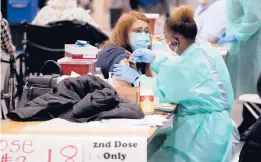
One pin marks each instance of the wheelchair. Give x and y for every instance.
(42, 45)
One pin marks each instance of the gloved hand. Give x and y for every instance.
(143, 55)
(226, 39)
(125, 73)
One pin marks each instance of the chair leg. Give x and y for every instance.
(2, 112)
(256, 107)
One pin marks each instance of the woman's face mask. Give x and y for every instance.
(139, 40)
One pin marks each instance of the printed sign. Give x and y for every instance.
(115, 149)
(26, 148)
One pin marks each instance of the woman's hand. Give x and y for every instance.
(143, 55)
(125, 73)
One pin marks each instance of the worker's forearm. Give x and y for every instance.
(159, 59)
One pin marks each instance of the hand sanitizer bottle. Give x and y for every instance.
(146, 98)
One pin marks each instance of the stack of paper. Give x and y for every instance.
(112, 125)
(150, 121)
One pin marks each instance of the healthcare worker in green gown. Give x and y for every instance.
(196, 78)
(244, 34)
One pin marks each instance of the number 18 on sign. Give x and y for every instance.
(65, 151)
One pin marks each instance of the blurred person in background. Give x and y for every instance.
(151, 6)
(161, 7)
(211, 20)
(117, 8)
(244, 57)
(60, 10)
(244, 34)
(6, 39)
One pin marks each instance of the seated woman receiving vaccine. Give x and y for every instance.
(130, 33)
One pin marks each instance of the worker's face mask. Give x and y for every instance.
(139, 40)
(173, 44)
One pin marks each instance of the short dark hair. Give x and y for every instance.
(182, 21)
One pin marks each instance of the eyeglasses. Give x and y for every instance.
(141, 30)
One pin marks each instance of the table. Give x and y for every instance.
(13, 127)
(16, 128)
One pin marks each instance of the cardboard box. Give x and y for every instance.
(130, 93)
(81, 53)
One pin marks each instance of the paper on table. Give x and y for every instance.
(148, 118)
(166, 105)
(97, 126)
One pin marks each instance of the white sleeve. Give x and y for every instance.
(218, 13)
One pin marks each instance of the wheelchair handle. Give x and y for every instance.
(49, 62)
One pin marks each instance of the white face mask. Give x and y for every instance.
(173, 53)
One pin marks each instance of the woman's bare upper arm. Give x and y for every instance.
(118, 83)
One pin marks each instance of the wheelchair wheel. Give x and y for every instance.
(13, 85)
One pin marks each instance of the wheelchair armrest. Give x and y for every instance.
(24, 23)
(253, 98)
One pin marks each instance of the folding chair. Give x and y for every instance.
(253, 100)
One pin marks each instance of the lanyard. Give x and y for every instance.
(207, 6)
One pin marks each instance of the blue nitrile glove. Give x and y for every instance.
(143, 55)
(226, 39)
(125, 73)
(223, 34)
(80, 43)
